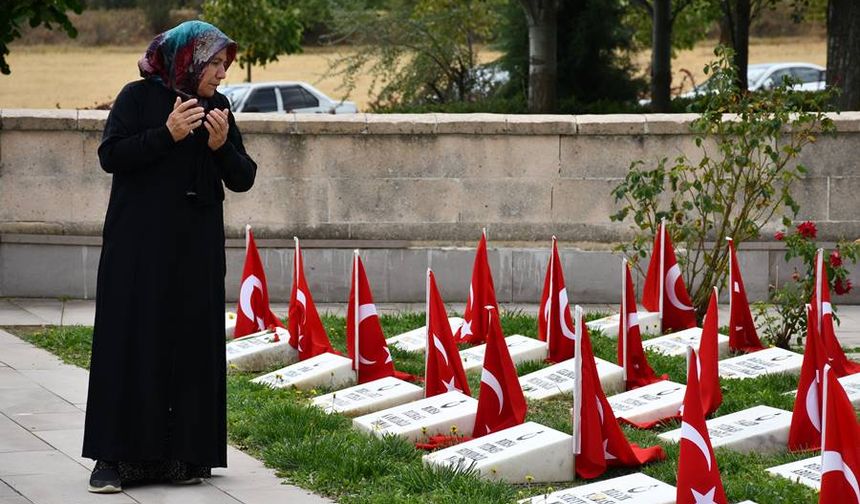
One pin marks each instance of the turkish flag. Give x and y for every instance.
(639, 372)
(307, 334)
(554, 322)
(253, 314)
(708, 355)
(372, 358)
(501, 403)
(698, 474)
(602, 443)
(482, 293)
(823, 312)
(676, 309)
(840, 439)
(805, 431)
(444, 371)
(742, 332)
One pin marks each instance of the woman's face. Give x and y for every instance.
(213, 74)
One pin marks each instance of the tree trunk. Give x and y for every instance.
(843, 51)
(248, 72)
(661, 55)
(543, 67)
(742, 42)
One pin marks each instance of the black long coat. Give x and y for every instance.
(157, 378)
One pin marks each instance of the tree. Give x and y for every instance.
(157, 13)
(543, 39)
(35, 13)
(843, 51)
(264, 29)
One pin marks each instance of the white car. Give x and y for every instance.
(806, 77)
(287, 96)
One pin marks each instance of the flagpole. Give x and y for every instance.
(622, 323)
(577, 386)
(298, 256)
(819, 306)
(731, 282)
(426, 331)
(824, 411)
(355, 313)
(662, 267)
(551, 295)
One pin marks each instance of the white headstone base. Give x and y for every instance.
(764, 362)
(556, 380)
(676, 344)
(522, 349)
(416, 339)
(806, 472)
(762, 429)
(369, 397)
(529, 452)
(445, 414)
(649, 323)
(649, 403)
(259, 351)
(636, 488)
(322, 371)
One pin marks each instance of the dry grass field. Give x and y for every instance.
(82, 77)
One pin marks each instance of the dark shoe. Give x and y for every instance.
(105, 479)
(189, 481)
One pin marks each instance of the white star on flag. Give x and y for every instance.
(450, 386)
(706, 498)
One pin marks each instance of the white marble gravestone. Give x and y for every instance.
(649, 323)
(806, 472)
(526, 452)
(522, 349)
(676, 344)
(761, 429)
(636, 488)
(768, 361)
(649, 403)
(416, 339)
(369, 397)
(418, 420)
(322, 371)
(259, 351)
(555, 380)
(229, 323)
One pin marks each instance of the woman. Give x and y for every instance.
(156, 408)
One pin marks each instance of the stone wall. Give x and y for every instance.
(406, 188)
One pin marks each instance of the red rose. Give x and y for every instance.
(795, 276)
(842, 287)
(835, 259)
(779, 235)
(807, 229)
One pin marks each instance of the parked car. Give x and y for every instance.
(287, 96)
(805, 76)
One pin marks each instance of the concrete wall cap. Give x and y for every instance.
(346, 124)
(270, 122)
(541, 124)
(613, 124)
(92, 120)
(39, 119)
(401, 124)
(669, 124)
(476, 124)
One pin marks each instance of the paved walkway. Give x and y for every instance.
(42, 403)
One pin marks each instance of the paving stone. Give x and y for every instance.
(50, 421)
(36, 462)
(64, 488)
(173, 494)
(67, 441)
(13, 438)
(30, 400)
(68, 382)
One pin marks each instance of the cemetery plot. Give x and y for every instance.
(806, 472)
(369, 397)
(260, 351)
(676, 344)
(446, 414)
(529, 450)
(649, 403)
(522, 349)
(761, 429)
(649, 323)
(325, 370)
(416, 339)
(636, 488)
(764, 362)
(555, 380)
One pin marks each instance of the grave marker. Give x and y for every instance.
(636, 488)
(260, 351)
(555, 380)
(418, 420)
(525, 452)
(649, 323)
(369, 397)
(806, 472)
(649, 403)
(416, 339)
(764, 362)
(522, 349)
(676, 344)
(762, 429)
(325, 370)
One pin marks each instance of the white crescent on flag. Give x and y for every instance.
(813, 410)
(491, 381)
(362, 360)
(245, 293)
(832, 461)
(632, 319)
(826, 308)
(365, 311)
(690, 433)
(438, 344)
(563, 301)
(300, 297)
(672, 277)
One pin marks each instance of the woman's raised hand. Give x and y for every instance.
(217, 124)
(184, 118)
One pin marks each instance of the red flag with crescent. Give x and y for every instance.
(253, 313)
(840, 445)
(664, 278)
(371, 358)
(444, 367)
(555, 324)
(742, 333)
(307, 333)
(482, 293)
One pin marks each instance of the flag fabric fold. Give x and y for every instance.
(840, 445)
(482, 293)
(823, 312)
(555, 325)
(709, 356)
(307, 333)
(805, 431)
(444, 368)
(742, 332)
(638, 372)
(664, 281)
(253, 313)
(372, 358)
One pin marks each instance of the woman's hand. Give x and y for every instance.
(184, 118)
(217, 125)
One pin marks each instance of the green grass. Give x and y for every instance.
(323, 453)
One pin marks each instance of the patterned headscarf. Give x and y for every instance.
(177, 57)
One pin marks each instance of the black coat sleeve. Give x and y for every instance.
(126, 144)
(237, 168)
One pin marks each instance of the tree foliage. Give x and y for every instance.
(47, 13)
(264, 29)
